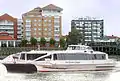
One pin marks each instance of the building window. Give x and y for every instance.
(50, 16)
(56, 16)
(57, 29)
(57, 19)
(39, 28)
(27, 20)
(45, 29)
(39, 24)
(34, 28)
(86, 24)
(28, 23)
(49, 25)
(49, 29)
(49, 33)
(45, 33)
(35, 20)
(45, 24)
(35, 33)
(56, 24)
(45, 16)
(49, 20)
(28, 33)
(39, 20)
(35, 24)
(45, 20)
(39, 33)
(56, 32)
(57, 38)
(26, 26)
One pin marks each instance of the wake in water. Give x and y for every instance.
(3, 70)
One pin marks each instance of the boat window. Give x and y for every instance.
(89, 48)
(16, 56)
(82, 48)
(70, 56)
(100, 56)
(74, 47)
(34, 56)
(76, 56)
(22, 56)
(44, 58)
(78, 47)
(55, 57)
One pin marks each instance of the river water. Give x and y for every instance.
(64, 76)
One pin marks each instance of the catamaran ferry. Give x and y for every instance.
(75, 58)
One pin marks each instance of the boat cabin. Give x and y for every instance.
(72, 56)
(79, 47)
(29, 55)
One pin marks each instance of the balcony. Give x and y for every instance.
(5, 28)
(6, 24)
(19, 36)
(19, 32)
(56, 34)
(28, 30)
(11, 32)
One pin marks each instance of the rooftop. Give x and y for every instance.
(5, 36)
(52, 7)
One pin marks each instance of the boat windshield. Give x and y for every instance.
(16, 56)
(31, 56)
(89, 48)
(45, 58)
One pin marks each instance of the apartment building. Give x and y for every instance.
(90, 28)
(43, 22)
(10, 30)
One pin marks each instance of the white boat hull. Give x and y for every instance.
(81, 67)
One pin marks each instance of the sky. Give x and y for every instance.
(108, 10)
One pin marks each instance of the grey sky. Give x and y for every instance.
(109, 10)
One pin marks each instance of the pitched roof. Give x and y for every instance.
(7, 17)
(52, 7)
(5, 36)
(112, 37)
(35, 11)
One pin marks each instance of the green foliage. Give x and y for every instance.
(62, 42)
(33, 41)
(52, 41)
(74, 37)
(24, 42)
(42, 41)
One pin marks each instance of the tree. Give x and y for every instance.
(62, 42)
(74, 37)
(24, 42)
(42, 41)
(33, 41)
(52, 41)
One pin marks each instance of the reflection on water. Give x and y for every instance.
(64, 76)
(3, 70)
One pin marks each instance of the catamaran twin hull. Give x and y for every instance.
(75, 67)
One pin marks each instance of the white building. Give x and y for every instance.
(90, 28)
